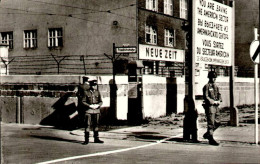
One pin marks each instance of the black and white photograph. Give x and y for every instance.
(129, 81)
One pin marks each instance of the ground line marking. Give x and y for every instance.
(109, 152)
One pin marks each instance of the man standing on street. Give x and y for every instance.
(212, 99)
(89, 103)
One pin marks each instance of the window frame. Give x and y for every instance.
(8, 39)
(55, 37)
(167, 37)
(30, 39)
(152, 5)
(184, 9)
(168, 7)
(152, 32)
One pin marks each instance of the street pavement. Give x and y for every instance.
(23, 143)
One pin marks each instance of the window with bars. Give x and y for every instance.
(7, 38)
(30, 39)
(184, 9)
(152, 5)
(169, 37)
(150, 35)
(168, 7)
(55, 37)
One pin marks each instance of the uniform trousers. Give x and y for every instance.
(213, 118)
(91, 120)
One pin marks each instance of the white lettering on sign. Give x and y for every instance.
(150, 52)
(125, 50)
(212, 34)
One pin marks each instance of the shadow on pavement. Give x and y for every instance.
(56, 139)
(237, 142)
(181, 140)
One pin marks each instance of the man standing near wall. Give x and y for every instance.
(89, 103)
(212, 99)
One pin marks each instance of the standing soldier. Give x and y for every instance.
(212, 99)
(89, 107)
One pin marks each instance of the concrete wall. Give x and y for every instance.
(243, 92)
(33, 99)
(30, 99)
(154, 96)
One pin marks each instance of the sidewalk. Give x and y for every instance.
(25, 142)
(244, 134)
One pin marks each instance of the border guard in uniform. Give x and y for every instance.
(89, 107)
(212, 99)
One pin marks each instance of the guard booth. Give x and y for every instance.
(135, 110)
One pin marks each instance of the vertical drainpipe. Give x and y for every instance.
(18, 109)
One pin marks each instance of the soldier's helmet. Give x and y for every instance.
(212, 74)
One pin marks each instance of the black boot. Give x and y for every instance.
(212, 141)
(96, 138)
(86, 138)
(206, 135)
(194, 136)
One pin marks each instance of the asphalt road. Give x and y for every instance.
(37, 144)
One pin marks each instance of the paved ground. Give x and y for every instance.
(156, 142)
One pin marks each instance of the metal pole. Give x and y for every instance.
(190, 120)
(234, 119)
(113, 63)
(256, 94)
(256, 104)
(114, 89)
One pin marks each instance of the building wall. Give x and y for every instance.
(246, 18)
(161, 21)
(89, 29)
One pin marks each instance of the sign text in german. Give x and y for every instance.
(151, 52)
(122, 50)
(212, 32)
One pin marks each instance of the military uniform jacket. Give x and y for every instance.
(211, 94)
(87, 97)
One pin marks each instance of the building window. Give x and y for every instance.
(152, 5)
(55, 37)
(30, 39)
(169, 38)
(168, 7)
(184, 9)
(150, 34)
(7, 38)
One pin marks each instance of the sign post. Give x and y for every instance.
(125, 50)
(254, 54)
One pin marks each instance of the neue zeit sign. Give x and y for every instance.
(212, 32)
(150, 52)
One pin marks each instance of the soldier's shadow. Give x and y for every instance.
(60, 117)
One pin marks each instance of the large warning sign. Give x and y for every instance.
(212, 32)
